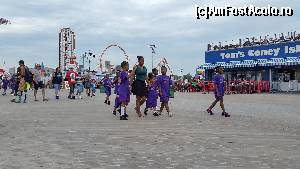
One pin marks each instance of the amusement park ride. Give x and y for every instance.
(67, 57)
(164, 62)
(101, 64)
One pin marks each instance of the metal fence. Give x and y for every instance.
(291, 86)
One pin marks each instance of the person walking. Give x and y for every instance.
(71, 77)
(57, 81)
(38, 82)
(139, 85)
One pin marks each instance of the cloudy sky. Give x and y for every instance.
(169, 24)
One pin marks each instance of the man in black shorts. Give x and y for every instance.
(38, 82)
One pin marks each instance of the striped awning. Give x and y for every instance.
(207, 66)
(262, 62)
(253, 63)
(246, 63)
(277, 61)
(292, 60)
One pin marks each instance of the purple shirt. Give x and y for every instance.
(164, 82)
(5, 83)
(107, 83)
(219, 81)
(124, 86)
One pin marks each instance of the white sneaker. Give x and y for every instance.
(170, 114)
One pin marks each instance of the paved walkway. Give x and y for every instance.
(263, 132)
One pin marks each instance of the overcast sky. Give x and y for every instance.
(169, 24)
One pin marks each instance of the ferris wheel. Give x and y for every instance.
(101, 63)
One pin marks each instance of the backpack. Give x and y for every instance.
(28, 75)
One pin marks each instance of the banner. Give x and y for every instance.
(281, 50)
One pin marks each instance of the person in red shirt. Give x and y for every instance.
(71, 77)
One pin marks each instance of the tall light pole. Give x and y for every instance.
(89, 56)
(153, 52)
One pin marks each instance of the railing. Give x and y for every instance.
(231, 87)
(291, 86)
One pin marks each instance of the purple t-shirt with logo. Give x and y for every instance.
(164, 83)
(219, 81)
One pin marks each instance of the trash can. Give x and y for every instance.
(172, 92)
(102, 89)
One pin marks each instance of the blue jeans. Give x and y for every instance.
(56, 87)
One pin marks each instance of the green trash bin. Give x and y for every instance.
(102, 89)
(172, 93)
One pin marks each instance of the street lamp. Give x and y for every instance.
(88, 56)
(153, 52)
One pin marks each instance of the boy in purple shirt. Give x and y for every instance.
(124, 89)
(164, 83)
(219, 91)
(107, 85)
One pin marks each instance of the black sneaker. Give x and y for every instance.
(123, 118)
(210, 112)
(105, 101)
(223, 113)
(108, 102)
(145, 111)
(155, 114)
(57, 97)
(119, 110)
(126, 115)
(114, 113)
(226, 115)
(73, 98)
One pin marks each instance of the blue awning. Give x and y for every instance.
(253, 63)
(246, 63)
(262, 62)
(277, 61)
(292, 60)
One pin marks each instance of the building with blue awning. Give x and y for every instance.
(269, 62)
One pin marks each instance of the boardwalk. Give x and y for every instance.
(263, 132)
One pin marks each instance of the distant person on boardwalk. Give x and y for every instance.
(57, 79)
(71, 77)
(38, 82)
(107, 85)
(219, 89)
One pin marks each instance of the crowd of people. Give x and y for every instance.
(280, 38)
(147, 87)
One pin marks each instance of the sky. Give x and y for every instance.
(133, 24)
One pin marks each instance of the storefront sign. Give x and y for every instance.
(282, 50)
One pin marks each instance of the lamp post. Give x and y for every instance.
(88, 56)
(153, 52)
